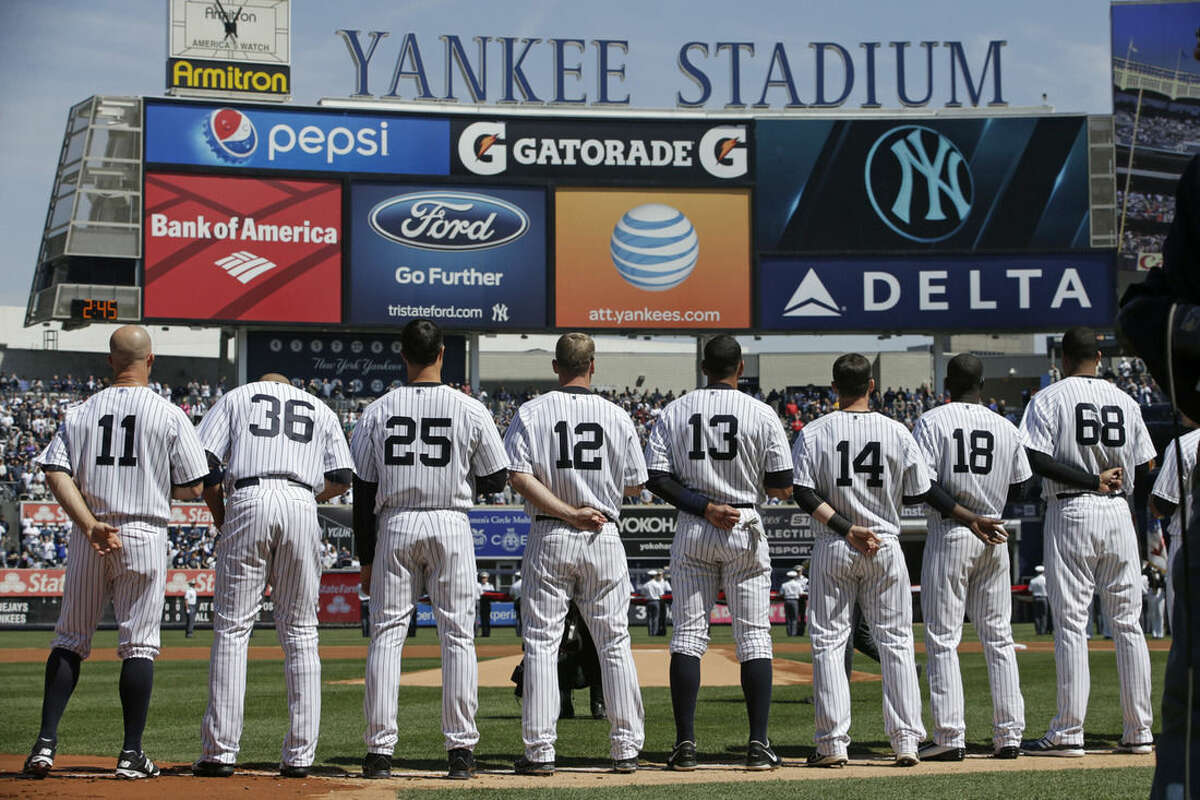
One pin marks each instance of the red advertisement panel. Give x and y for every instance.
(52, 514)
(246, 249)
(720, 614)
(339, 598)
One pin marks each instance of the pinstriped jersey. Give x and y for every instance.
(126, 446)
(1166, 485)
(1090, 424)
(864, 464)
(422, 443)
(271, 428)
(975, 454)
(583, 448)
(719, 442)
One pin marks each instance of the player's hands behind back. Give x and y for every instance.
(103, 537)
(722, 516)
(1112, 481)
(988, 530)
(587, 518)
(863, 540)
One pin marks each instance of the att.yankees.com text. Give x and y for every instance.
(646, 314)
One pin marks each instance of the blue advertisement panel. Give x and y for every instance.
(499, 532)
(464, 256)
(295, 139)
(988, 184)
(936, 293)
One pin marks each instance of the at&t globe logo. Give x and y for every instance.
(654, 247)
(919, 183)
(231, 135)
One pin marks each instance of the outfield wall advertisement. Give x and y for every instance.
(652, 258)
(220, 248)
(465, 256)
(321, 140)
(896, 293)
(991, 184)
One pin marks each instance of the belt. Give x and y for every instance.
(1069, 495)
(242, 483)
(743, 505)
(548, 518)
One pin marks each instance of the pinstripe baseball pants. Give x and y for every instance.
(270, 536)
(959, 573)
(706, 559)
(564, 564)
(1091, 546)
(433, 548)
(134, 577)
(839, 576)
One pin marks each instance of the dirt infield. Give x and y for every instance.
(33, 655)
(720, 668)
(91, 777)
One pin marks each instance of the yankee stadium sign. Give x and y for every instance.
(582, 71)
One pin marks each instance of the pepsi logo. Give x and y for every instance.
(654, 247)
(449, 221)
(231, 134)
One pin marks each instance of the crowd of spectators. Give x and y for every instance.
(1148, 206)
(1133, 242)
(31, 410)
(1158, 129)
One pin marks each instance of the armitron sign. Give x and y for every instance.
(226, 76)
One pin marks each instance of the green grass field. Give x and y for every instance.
(92, 723)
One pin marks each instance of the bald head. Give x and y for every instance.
(129, 346)
(275, 377)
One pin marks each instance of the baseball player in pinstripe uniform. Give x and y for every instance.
(572, 456)
(1164, 502)
(277, 443)
(979, 458)
(417, 451)
(711, 455)
(114, 465)
(853, 469)
(1086, 438)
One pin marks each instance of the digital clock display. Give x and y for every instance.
(94, 310)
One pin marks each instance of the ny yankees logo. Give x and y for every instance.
(943, 207)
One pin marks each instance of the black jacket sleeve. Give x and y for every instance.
(339, 476)
(778, 480)
(1042, 464)
(364, 520)
(664, 485)
(808, 499)
(491, 484)
(937, 497)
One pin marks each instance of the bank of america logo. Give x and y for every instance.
(245, 266)
(811, 299)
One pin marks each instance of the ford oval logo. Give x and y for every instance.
(449, 221)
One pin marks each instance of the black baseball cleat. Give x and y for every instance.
(932, 751)
(1009, 751)
(625, 765)
(523, 766)
(819, 759)
(462, 764)
(683, 757)
(293, 771)
(41, 758)
(377, 765)
(1137, 749)
(760, 756)
(598, 710)
(135, 766)
(1044, 747)
(212, 769)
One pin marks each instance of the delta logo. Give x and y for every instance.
(231, 135)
